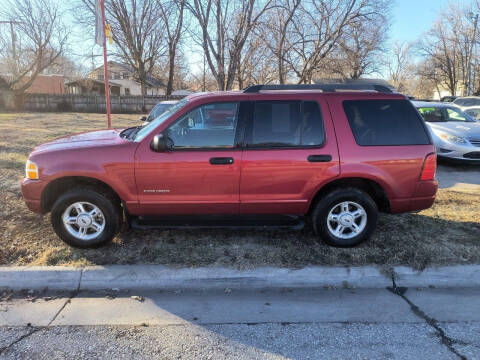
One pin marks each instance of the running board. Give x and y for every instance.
(246, 222)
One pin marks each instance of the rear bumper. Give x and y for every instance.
(423, 198)
(32, 194)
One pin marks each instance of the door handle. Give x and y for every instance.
(320, 158)
(221, 161)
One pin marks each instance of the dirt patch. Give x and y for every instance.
(445, 234)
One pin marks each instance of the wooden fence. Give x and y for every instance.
(90, 103)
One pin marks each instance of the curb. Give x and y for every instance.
(160, 277)
(40, 277)
(149, 277)
(440, 277)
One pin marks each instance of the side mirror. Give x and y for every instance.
(161, 143)
(143, 118)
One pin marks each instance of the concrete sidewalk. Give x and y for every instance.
(150, 312)
(134, 277)
(242, 324)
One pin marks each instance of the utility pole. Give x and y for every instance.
(470, 88)
(14, 39)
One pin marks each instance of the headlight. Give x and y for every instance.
(31, 170)
(449, 137)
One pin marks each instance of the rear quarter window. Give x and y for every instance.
(385, 122)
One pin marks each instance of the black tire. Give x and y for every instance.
(329, 201)
(109, 206)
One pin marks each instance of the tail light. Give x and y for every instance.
(429, 167)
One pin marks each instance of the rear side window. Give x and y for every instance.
(385, 122)
(286, 124)
(431, 114)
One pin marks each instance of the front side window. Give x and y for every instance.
(147, 129)
(385, 122)
(431, 114)
(286, 124)
(207, 126)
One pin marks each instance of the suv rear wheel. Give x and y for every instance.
(85, 218)
(345, 217)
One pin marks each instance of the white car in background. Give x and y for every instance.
(467, 101)
(455, 134)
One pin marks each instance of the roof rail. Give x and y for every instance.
(324, 87)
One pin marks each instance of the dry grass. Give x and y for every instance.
(448, 233)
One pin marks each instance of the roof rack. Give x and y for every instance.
(324, 87)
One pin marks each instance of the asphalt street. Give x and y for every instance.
(243, 324)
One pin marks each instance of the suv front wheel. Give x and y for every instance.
(345, 217)
(85, 218)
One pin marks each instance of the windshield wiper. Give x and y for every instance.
(129, 132)
(131, 136)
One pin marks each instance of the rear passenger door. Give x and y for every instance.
(289, 152)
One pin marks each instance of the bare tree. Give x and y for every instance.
(448, 48)
(256, 66)
(276, 32)
(138, 34)
(172, 15)
(362, 44)
(181, 70)
(39, 38)
(225, 26)
(319, 26)
(65, 66)
(399, 65)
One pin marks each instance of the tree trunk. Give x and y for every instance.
(281, 78)
(171, 72)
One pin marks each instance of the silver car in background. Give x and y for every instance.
(466, 101)
(456, 135)
(473, 111)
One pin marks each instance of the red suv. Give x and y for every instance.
(272, 155)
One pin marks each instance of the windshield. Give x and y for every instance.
(457, 115)
(467, 101)
(145, 130)
(158, 110)
(475, 113)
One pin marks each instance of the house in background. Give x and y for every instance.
(47, 84)
(121, 82)
(43, 84)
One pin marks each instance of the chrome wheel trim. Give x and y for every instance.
(83, 220)
(346, 220)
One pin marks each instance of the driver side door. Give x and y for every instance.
(201, 174)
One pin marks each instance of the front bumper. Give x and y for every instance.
(32, 194)
(467, 153)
